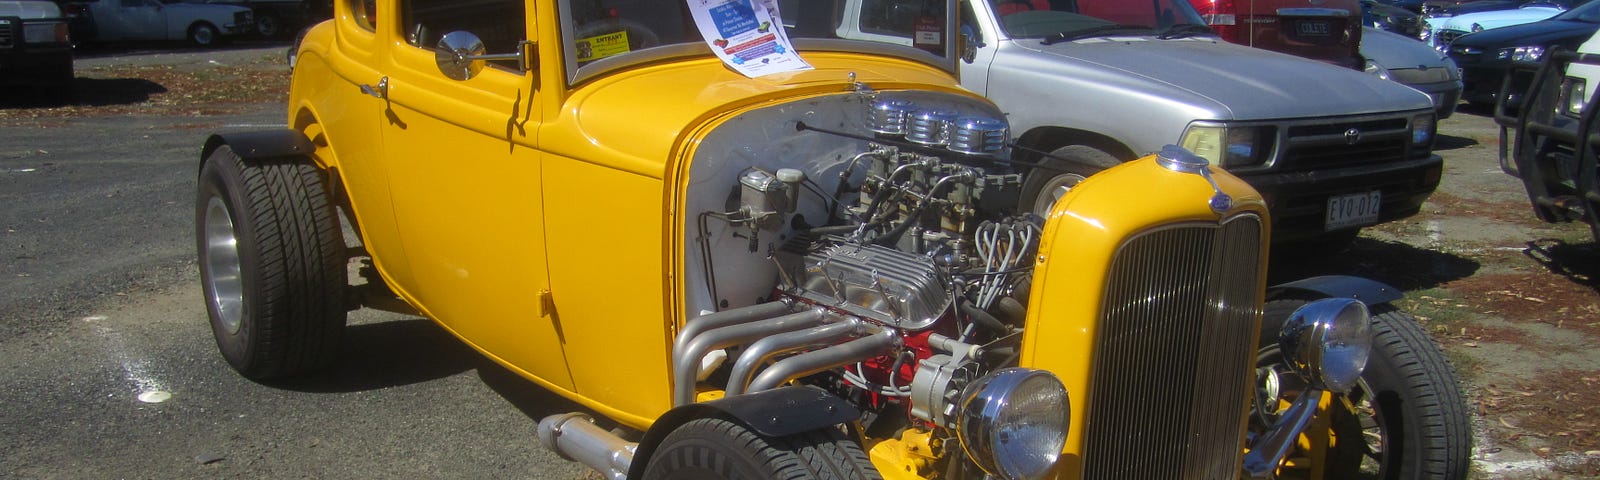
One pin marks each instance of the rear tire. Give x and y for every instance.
(272, 264)
(713, 448)
(1410, 420)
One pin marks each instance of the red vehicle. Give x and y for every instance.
(1325, 30)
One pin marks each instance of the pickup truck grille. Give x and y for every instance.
(1344, 143)
(1174, 356)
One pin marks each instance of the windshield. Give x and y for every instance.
(1074, 19)
(604, 35)
(1589, 12)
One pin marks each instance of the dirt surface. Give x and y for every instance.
(1514, 302)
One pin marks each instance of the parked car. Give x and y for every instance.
(35, 48)
(1125, 82)
(1545, 152)
(772, 246)
(120, 20)
(1441, 32)
(279, 18)
(1405, 60)
(1485, 57)
(1328, 30)
(1390, 18)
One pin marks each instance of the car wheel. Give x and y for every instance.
(1071, 164)
(712, 448)
(272, 264)
(268, 25)
(1409, 419)
(204, 34)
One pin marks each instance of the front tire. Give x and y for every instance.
(272, 264)
(204, 34)
(1070, 164)
(1410, 420)
(713, 448)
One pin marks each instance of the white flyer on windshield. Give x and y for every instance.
(747, 35)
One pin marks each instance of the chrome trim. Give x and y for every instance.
(1178, 324)
(1271, 447)
(224, 270)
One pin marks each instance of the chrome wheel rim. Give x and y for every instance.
(1053, 190)
(224, 281)
(203, 36)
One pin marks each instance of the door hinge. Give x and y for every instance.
(547, 303)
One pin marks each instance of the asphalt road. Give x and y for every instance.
(100, 312)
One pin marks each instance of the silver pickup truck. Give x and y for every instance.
(1088, 84)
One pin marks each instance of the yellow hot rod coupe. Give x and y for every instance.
(770, 246)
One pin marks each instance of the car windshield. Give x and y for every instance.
(1065, 20)
(1589, 12)
(604, 35)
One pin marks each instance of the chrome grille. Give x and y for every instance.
(1175, 353)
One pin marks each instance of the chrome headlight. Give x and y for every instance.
(1422, 129)
(1014, 421)
(1327, 342)
(1521, 54)
(1228, 146)
(1574, 95)
(1376, 69)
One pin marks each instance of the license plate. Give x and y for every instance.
(1313, 28)
(1353, 210)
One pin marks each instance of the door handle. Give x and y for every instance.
(379, 91)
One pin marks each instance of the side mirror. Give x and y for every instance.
(460, 55)
(969, 46)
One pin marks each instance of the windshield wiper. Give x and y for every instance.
(1096, 31)
(1184, 30)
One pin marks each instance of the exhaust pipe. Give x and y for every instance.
(880, 343)
(766, 348)
(575, 437)
(684, 361)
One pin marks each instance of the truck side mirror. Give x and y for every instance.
(460, 55)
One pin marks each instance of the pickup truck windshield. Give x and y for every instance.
(603, 35)
(1066, 20)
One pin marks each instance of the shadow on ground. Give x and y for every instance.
(1579, 263)
(389, 354)
(85, 92)
(1397, 264)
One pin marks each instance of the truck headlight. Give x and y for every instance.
(44, 33)
(1574, 94)
(1521, 54)
(1228, 146)
(1013, 422)
(1327, 342)
(1422, 129)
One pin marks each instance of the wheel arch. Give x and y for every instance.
(1048, 138)
(1369, 291)
(773, 413)
(256, 145)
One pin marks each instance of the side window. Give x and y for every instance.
(365, 13)
(500, 24)
(895, 18)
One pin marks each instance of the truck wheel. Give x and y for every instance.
(272, 264)
(268, 25)
(1071, 165)
(1410, 420)
(203, 34)
(712, 448)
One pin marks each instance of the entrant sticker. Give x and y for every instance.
(747, 35)
(602, 46)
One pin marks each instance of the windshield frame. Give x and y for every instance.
(697, 48)
(1188, 15)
